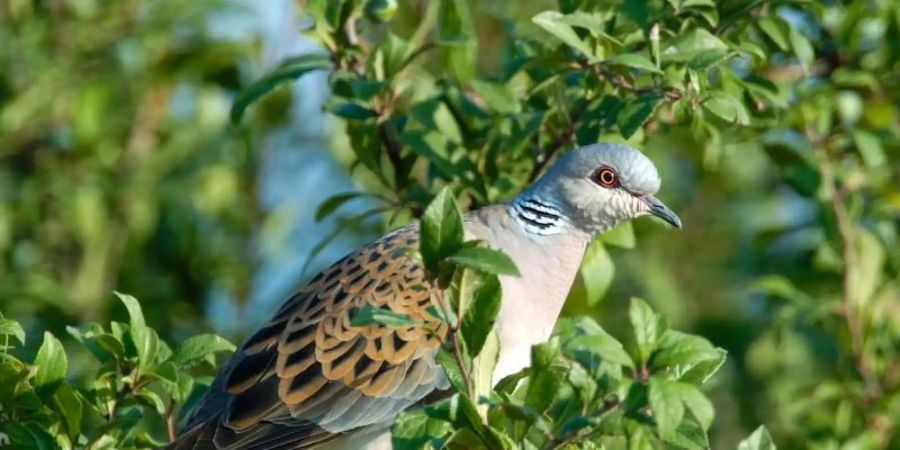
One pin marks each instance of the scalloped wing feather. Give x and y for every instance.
(309, 375)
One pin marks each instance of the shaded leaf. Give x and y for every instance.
(498, 96)
(636, 112)
(289, 70)
(333, 203)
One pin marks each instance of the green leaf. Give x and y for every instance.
(51, 365)
(685, 350)
(479, 317)
(620, 236)
(485, 260)
(9, 327)
(666, 404)
(348, 110)
(727, 107)
(802, 48)
(498, 96)
(544, 381)
(146, 343)
(451, 369)
(644, 326)
(441, 229)
(550, 21)
(692, 44)
(289, 70)
(414, 429)
(636, 112)
(688, 436)
(455, 24)
(758, 440)
(870, 149)
(597, 271)
(69, 405)
(483, 364)
(333, 203)
(369, 315)
(697, 404)
(704, 370)
(633, 60)
(199, 348)
(603, 345)
(772, 27)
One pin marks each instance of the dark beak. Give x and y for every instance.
(658, 209)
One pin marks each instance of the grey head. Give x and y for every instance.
(592, 189)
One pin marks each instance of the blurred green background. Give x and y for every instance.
(119, 170)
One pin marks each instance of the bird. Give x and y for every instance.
(308, 379)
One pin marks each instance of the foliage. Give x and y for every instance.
(582, 390)
(115, 169)
(774, 123)
(785, 78)
(138, 389)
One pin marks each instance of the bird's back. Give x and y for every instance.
(308, 376)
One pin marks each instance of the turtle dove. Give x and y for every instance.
(308, 379)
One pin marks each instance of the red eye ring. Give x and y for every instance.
(606, 177)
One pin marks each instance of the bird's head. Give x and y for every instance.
(594, 188)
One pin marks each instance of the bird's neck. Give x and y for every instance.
(537, 216)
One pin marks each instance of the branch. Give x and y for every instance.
(453, 331)
(391, 145)
(620, 82)
(544, 155)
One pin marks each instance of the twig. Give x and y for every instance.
(170, 425)
(620, 82)
(546, 154)
(453, 331)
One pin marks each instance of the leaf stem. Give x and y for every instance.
(834, 195)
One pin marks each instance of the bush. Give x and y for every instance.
(775, 124)
(139, 386)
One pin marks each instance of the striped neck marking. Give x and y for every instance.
(537, 216)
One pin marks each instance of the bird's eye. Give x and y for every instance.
(606, 177)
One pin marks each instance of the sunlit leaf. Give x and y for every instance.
(51, 363)
(484, 260)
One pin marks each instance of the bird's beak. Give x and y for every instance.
(658, 209)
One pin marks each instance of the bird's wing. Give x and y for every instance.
(309, 375)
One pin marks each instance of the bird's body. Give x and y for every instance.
(308, 379)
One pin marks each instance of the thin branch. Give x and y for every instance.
(620, 82)
(565, 138)
(453, 336)
(170, 425)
